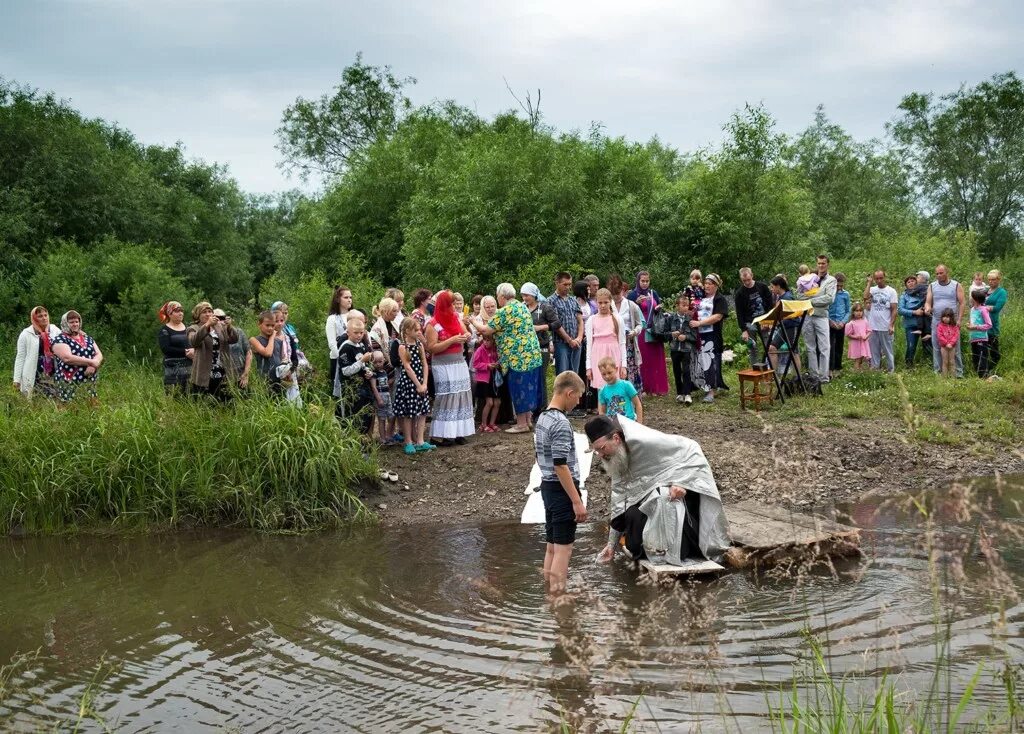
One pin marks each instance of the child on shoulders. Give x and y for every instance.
(807, 281)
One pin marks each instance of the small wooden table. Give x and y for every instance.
(762, 385)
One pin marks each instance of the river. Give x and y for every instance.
(447, 629)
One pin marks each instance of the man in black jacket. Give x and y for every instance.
(753, 298)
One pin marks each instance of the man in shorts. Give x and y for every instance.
(555, 446)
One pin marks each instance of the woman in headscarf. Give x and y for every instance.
(446, 337)
(653, 371)
(212, 366)
(77, 359)
(173, 340)
(34, 363)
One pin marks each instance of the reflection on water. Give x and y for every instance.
(426, 629)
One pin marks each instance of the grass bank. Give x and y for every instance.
(141, 459)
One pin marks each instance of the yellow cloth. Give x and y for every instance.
(784, 310)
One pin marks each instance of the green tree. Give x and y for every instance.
(322, 136)
(965, 153)
(855, 189)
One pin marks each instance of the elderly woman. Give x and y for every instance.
(995, 301)
(446, 337)
(173, 340)
(545, 323)
(212, 366)
(518, 353)
(34, 363)
(712, 310)
(77, 358)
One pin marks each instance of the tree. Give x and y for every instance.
(966, 156)
(322, 136)
(856, 190)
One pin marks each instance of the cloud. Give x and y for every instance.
(217, 74)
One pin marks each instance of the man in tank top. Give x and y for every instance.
(944, 293)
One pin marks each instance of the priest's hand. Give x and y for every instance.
(606, 554)
(675, 492)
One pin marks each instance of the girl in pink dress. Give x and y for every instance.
(606, 337)
(857, 332)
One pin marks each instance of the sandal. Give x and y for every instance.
(383, 475)
(392, 476)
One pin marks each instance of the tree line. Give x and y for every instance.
(437, 195)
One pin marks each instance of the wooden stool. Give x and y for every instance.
(762, 387)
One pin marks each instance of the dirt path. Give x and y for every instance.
(798, 464)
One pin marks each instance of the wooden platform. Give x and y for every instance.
(768, 534)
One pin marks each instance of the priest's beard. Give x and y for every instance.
(617, 465)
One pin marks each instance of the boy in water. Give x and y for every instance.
(555, 446)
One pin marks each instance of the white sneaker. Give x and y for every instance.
(688, 400)
(679, 398)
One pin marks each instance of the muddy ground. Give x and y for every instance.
(797, 465)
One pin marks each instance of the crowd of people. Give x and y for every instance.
(472, 367)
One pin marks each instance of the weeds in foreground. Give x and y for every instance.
(143, 459)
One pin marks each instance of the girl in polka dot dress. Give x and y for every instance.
(77, 359)
(411, 402)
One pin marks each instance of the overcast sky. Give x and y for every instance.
(216, 74)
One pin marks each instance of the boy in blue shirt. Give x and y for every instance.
(617, 397)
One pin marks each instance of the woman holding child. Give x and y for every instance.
(453, 391)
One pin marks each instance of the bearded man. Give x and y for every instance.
(664, 499)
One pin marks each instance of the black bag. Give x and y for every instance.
(661, 326)
(792, 386)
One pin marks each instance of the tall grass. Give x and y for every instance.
(142, 459)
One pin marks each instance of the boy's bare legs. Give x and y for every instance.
(556, 567)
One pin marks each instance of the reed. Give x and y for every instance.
(141, 459)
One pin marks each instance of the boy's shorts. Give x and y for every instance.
(559, 518)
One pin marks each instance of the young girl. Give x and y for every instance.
(858, 333)
(605, 338)
(981, 322)
(380, 386)
(948, 332)
(269, 351)
(485, 361)
(807, 281)
(411, 403)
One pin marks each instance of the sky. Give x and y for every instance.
(216, 75)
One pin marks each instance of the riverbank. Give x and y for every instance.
(871, 432)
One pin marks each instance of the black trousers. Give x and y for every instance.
(681, 372)
(993, 353)
(980, 358)
(631, 524)
(836, 339)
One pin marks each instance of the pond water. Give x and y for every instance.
(447, 629)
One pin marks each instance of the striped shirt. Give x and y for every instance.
(555, 445)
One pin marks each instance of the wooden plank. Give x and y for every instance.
(763, 527)
(691, 566)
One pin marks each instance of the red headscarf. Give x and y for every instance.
(445, 315)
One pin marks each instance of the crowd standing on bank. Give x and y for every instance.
(473, 368)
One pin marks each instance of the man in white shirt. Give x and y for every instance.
(880, 302)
